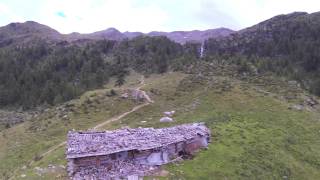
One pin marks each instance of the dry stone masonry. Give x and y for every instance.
(126, 152)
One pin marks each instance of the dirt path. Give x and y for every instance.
(109, 120)
(141, 83)
(120, 116)
(113, 119)
(96, 128)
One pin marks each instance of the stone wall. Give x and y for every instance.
(195, 145)
(145, 158)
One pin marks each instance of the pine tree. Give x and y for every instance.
(120, 80)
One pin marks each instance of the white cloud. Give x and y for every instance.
(87, 16)
(8, 16)
(250, 12)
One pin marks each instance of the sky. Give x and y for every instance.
(86, 16)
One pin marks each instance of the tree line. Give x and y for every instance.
(288, 45)
(45, 73)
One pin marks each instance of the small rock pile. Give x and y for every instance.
(167, 117)
(9, 118)
(119, 169)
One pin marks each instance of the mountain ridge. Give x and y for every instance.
(32, 28)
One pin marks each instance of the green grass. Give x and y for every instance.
(254, 135)
(259, 140)
(25, 142)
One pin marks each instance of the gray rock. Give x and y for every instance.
(166, 119)
(297, 107)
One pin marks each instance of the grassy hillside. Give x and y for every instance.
(286, 44)
(255, 135)
(24, 143)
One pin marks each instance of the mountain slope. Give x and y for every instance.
(274, 31)
(286, 44)
(196, 36)
(19, 33)
(131, 35)
(27, 28)
(109, 34)
(254, 134)
(177, 36)
(30, 29)
(40, 72)
(263, 126)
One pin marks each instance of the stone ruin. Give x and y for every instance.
(131, 152)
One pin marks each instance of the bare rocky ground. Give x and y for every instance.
(123, 168)
(9, 118)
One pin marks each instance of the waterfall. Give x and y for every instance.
(201, 50)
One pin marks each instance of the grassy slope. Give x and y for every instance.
(25, 142)
(254, 135)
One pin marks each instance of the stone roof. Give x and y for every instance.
(83, 144)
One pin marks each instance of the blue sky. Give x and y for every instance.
(87, 16)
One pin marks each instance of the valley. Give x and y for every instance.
(257, 89)
(247, 125)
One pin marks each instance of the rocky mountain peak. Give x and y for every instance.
(28, 27)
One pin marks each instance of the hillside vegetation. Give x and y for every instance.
(255, 133)
(41, 69)
(42, 73)
(257, 90)
(25, 143)
(286, 44)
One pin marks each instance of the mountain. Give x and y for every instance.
(24, 32)
(50, 73)
(286, 44)
(27, 28)
(59, 68)
(110, 34)
(30, 29)
(249, 89)
(279, 29)
(196, 36)
(131, 35)
(43, 59)
(177, 36)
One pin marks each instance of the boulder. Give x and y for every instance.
(169, 113)
(140, 95)
(311, 102)
(166, 119)
(125, 96)
(297, 107)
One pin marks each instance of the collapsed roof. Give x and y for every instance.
(84, 144)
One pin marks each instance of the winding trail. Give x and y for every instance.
(97, 127)
(113, 119)
(120, 116)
